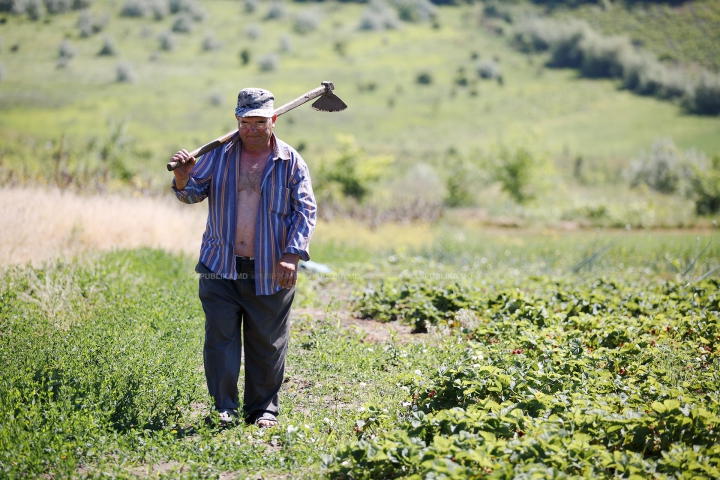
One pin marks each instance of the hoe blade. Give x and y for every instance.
(329, 102)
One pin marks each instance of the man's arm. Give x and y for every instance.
(302, 202)
(191, 181)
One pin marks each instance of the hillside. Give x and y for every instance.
(416, 93)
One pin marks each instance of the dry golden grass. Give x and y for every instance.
(42, 224)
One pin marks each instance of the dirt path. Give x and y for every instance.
(373, 331)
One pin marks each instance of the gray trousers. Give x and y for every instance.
(230, 305)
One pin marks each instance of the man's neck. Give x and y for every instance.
(258, 150)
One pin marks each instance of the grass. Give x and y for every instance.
(169, 106)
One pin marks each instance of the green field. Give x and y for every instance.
(551, 355)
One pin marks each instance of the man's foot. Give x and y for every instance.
(224, 418)
(266, 420)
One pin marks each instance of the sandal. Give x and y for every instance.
(266, 420)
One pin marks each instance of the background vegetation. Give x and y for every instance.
(96, 96)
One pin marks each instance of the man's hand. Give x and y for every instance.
(287, 270)
(182, 173)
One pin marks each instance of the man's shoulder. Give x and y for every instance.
(287, 152)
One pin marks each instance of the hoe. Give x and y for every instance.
(328, 102)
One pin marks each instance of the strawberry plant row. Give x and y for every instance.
(604, 378)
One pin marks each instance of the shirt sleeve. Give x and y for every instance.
(198, 185)
(303, 204)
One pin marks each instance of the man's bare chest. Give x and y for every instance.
(250, 174)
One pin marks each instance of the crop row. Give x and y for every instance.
(558, 380)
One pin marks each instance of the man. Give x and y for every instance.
(260, 220)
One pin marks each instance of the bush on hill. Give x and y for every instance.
(89, 24)
(414, 10)
(307, 21)
(379, 16)
(183, 23)
(574, 44)
(158, 9)
(276, 10)
(108, 48)
(188, 6)
(665, 169)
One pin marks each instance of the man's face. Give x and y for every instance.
(255, 131)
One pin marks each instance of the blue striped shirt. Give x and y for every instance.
(286, 214)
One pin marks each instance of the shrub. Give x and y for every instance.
(665, 168)
(706, 189)
(210, 43)
(424, 78)
(488, 69)
(379, 16)
(108, 48)
(269, 62)
(124, 73)
(276, 10)
(603, 57)
(34, 9)
(349, 172)
(565, 44)
(167, 41)
(188, 6)
(183, 23)
(58, 6)
(251, 6)
(245, 56)
(253, 31)
(414, 10)
(66, 50)
(496, 9)
(158, 9)
(285, 44)
(642, 74)
(533, 35)
(134, 8)
(704, 98)
(90, 25)
(307, 21)
(521, 173)
(216, 99)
